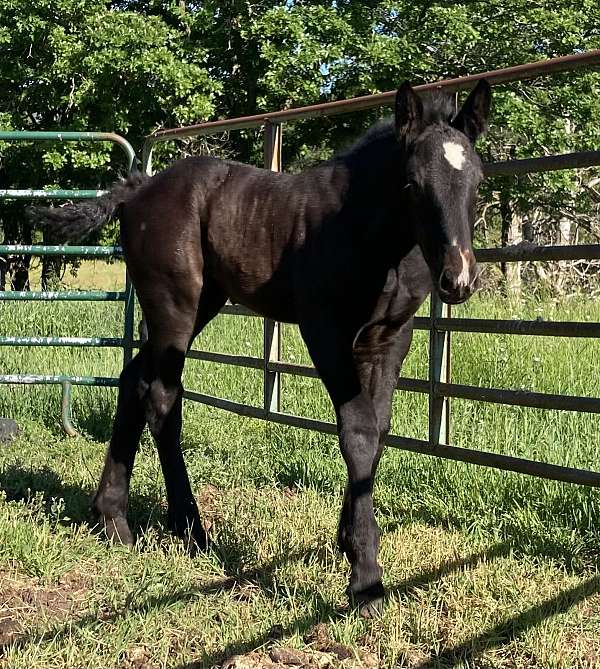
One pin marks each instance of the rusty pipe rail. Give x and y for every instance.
(500, 76)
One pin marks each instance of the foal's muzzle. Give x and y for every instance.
(459, 277)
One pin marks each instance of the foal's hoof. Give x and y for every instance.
(190, 531)
(368, 601)
(117, 531)
(372, 609)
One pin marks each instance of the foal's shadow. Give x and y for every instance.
(96, 421)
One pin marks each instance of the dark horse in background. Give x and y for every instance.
(348, 250)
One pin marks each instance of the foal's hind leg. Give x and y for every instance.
(110, 501)
(170, 336)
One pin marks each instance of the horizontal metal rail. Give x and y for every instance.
(63, 295)
(64, 250)
(71, 136)
(227, 359)
(527, 251)
(541, 328)
(293, 369)
(108, 342)
(56, 194)
(493, 395)
(472, 456)
(48, 379)
(513, 327)
(565, 161)
(501, 76)
(524, 398)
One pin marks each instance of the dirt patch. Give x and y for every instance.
(137, 657)
(321, 653)
(210, 504)
(24, 599)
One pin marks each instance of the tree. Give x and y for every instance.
(137, 65)
(81, 65)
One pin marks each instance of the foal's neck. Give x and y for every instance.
(376, 197)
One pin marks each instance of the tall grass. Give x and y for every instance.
(557, 365)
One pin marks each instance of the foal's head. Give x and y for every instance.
(441, 174)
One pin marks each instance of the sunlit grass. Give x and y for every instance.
(485, 568)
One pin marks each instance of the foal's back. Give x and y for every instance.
(233, 226)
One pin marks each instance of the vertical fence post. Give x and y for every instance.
(271, 334)
(129, 311)
(439, 371)
(147, 158)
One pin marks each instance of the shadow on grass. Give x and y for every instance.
(524, 509)
(508, 630)
(96, 424)
(29, 484)
(94, 413)
(265, 577)
(511, 628)
(22, 484)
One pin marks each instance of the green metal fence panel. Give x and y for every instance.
(127, 296)
(83, 251)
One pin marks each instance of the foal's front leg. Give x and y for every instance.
(358, 534)
(331, 351)
(379, 358)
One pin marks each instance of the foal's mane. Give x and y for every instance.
(438, 107)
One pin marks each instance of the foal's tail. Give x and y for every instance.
(75, 222)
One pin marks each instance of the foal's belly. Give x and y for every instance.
(270, 297)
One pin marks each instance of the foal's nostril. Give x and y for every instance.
(447, 281)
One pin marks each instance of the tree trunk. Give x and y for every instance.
(51, 266)
(563, 237)
(19, 265)
(512, 224)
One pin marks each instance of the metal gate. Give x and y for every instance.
(440, 324)
(126, 296)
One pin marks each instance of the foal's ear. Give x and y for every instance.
(409, 112)
(472, 119)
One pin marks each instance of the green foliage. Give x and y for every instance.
(133, 66)
(74, 65)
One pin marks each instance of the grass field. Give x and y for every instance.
(484, 568)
